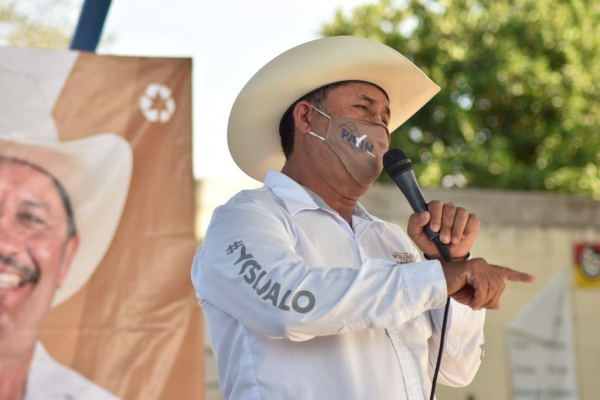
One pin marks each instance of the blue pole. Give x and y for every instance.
(90, 24)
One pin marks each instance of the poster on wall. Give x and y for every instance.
(587, 264)
(540, 341)
(96, 227)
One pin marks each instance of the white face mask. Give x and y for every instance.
(359, 144)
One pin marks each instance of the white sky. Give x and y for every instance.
(228, 41)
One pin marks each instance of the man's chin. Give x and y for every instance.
(19, 319)
(13, 300)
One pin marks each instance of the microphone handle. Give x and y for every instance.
(407, 183)
(442, 248)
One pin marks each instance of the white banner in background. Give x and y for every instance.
(540, 339)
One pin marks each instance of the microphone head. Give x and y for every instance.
(395, 162)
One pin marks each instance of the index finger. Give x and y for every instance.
(512, 275)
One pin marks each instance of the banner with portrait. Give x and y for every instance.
(97, 226)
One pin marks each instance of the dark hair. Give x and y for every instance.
(316, 98)
(64, 196)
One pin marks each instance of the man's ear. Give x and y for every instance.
(69, 255)
(302, 115)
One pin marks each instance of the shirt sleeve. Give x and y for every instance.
(249, 269)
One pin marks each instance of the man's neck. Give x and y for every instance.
(341, 199)
(13, 376)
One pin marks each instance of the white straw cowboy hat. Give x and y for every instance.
(95, 171)
(253, 129)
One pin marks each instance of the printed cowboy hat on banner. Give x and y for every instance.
(95, 171)
(253, 128)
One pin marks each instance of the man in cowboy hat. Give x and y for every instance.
(59, 208)
(300, 285)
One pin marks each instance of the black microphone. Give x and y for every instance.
(398, 166)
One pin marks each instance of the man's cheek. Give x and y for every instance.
(46, 255)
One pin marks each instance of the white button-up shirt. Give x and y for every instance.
(300, 305)
(49, 380)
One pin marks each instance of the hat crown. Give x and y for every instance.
(25, 110)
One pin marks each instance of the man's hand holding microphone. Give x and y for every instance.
(445, 232)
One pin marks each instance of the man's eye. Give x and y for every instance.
(30, 218)
(361, 107)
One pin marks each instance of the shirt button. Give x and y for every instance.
(413, 391)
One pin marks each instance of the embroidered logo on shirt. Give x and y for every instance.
(302, 301)
(404, 258)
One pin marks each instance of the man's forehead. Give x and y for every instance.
(22, 167)
(27, 175)
(365, 91)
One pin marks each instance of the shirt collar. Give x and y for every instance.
(297, 197)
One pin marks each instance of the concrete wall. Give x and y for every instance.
(530, 232)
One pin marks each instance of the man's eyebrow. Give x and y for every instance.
(36, 204)
(371, 100)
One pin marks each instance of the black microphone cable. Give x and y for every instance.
(399, 168)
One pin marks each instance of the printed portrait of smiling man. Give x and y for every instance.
(59, 209)
(38, 240)
(60, 206)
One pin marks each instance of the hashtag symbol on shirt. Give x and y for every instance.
(234, 246)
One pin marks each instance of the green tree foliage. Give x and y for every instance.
(41, 24)
(519, 106)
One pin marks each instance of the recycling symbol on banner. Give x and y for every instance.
(157, 103)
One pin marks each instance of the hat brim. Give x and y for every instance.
(96, 173)
(253, 128)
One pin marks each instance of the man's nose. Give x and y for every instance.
(10, 237)
(378, 119)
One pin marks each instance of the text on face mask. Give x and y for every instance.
(358, 142)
